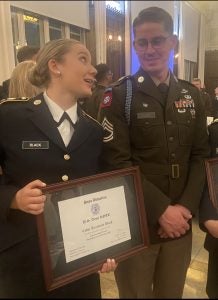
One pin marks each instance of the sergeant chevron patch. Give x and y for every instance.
(109, 128)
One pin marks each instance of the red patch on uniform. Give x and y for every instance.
(107, 100)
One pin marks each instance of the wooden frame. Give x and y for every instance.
(212, 179)
(57, 271)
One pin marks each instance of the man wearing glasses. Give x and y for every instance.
(155, 121)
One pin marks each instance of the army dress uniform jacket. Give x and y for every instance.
(31, 148)
(168, 142)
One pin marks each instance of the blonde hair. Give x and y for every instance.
(56, 49)
(20, 85)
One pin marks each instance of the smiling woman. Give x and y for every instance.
(46, 152)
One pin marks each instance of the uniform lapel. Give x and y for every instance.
(40, 115)
(144, 83)
(174, 91)
(81, 133)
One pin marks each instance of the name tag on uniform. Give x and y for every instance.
(35, 145)
(146, 115)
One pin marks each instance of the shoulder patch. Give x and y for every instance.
(85, 114)
(12, 100)
(107, 100)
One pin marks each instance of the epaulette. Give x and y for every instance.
(187, 82)
(121, 80)
(85, 114)
(12, 100)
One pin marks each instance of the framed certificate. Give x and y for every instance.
(88, 220)
(212, 179)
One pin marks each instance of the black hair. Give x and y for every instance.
(156, 15)
(102, 70)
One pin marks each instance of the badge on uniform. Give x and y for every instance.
(186, 102)
(192, 111)
(35, 145)
(107, 98)
(109, 128)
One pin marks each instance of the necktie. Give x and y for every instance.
(163, 89)
(66, 129)
(63, 117)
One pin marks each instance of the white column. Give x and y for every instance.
(6, 50)
(100, 31)
(181, 62)
(46, 30)
(202, 48)
(128, 41)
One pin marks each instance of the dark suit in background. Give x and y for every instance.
(208, 212)
(5, 89)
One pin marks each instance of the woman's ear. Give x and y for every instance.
(53, 67)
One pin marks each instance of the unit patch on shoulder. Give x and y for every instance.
(109, 129)
(107, 98)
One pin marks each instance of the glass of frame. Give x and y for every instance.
(212, 179)
(87, 220)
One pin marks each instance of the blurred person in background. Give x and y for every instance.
(208, 221)
(20, 85)
(207, 101)
(23, 53)
(104, 78)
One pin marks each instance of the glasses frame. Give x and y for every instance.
(151, 42)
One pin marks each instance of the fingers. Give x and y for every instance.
(109, 266)
(30, 198)
(36, 184)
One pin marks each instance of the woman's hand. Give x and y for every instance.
(109, 266)
(30, 198)
(212, 227)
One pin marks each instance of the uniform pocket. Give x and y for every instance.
(186, 129)
(147, 133)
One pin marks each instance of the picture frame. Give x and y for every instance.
(87, 220)
(212, 179)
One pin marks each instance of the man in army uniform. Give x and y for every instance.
(155, 121)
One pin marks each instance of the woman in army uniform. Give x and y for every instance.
(63, 152)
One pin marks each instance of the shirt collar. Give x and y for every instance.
(157, 81)
(57, 111)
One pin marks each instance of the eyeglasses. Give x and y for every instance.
(156, 43)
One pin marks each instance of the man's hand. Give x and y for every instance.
(30, 198)
(174, 221)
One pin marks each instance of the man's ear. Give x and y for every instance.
(134, 44)
(175, 41)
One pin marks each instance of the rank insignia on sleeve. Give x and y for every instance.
(109, 130)
(107, 98)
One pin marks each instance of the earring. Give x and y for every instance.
(59, 72)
